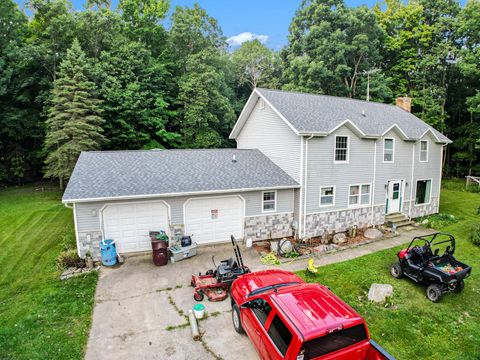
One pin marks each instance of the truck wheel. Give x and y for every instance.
(434, 293)
(459, 287)
(396, 270)
(237, 323)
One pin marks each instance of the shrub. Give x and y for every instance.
(475, 235)
(69, 258)
(437, 221)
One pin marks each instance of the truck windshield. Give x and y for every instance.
(334, 341)
(271, 287)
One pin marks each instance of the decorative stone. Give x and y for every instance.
(325, 248)
(373, 234)
(285, 246)
(379, 292)
(274, 246)
(339, 238)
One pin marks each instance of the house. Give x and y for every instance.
(304, 165)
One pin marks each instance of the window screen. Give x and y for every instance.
(326, 195)
(424, 151)
(334, 341)
(341, 148)
(269, 201)
(388, 150)
(280, 335)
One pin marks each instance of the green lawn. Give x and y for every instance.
(415, 328)
(41, 317)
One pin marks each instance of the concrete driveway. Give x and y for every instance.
(139, 313)
(139, 307)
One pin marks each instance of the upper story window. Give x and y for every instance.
(424, 151)
(359, 195)
(388, 150)
(261, 104)
(327, 195)
(269, 201)
(341, 149)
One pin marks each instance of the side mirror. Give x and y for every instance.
(436, 252)
(247, 305)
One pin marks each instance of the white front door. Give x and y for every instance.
(129, 224)
(214, 219)
(394, 196)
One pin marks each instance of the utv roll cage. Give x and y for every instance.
(433, 240)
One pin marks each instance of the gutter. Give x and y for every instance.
(306, 184)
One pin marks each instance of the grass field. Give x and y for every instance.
(415, 328)
(41, 317)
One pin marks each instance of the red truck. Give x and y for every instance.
(286, 318)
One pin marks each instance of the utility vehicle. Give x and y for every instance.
(421, 262)
(286, 318)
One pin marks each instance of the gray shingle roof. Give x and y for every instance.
(113, 174)
(309, 113)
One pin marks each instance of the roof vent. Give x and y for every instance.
(363, 113)
(234, 159)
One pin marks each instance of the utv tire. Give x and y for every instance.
(434, 293)
(459, 288)
(396, 270)
(237, 323)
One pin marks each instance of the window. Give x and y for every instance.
(341, 149)
(261, 104)
(327, 195)
(334, 341)
(261, 309)
(280, 335)
(359, 195)
(388, 150)
(422, 195)
(269, 202)
(424, 151)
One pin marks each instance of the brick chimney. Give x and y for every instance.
(405, 103)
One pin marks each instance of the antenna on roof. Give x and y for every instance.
(234, 159)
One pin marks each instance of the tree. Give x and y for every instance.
(253, 63)
(204, 100)
(74, 122)
(330, 46)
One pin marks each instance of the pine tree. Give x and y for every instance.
(74, 121)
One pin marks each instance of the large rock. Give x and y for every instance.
(339, 238)
(373, 234)
(379, 292)
(285, 246)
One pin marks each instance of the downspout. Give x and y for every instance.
(441, 173)
(300, 205)
(306, 185)
(374, 182)
(411, 183)
(68, 206)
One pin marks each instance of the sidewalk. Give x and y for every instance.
(342, 255)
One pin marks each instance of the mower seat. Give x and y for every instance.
(226, 266)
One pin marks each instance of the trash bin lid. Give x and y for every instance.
(199, 307)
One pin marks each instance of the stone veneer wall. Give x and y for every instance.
(336, 221)
(265, 227)
(90, 240)
(422, 210)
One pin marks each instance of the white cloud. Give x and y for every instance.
(239, 39)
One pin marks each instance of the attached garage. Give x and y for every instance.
(130, 223)
(214, 219)
(210, 194)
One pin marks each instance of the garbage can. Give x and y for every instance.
(108, 251)
(160, 252)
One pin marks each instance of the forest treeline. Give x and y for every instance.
(143, 76)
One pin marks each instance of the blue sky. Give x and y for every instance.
(244, 19)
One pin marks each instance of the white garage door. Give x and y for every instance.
(129, 224)
(214, 219)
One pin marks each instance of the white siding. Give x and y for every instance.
(266, 131)
(88, 214)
